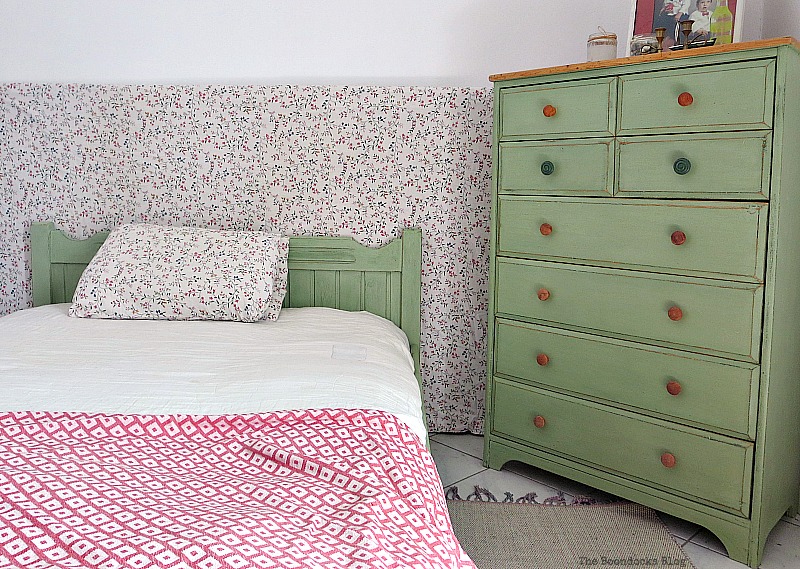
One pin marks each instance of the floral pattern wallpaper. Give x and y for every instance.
(306, 160)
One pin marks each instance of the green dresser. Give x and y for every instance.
(644, 313)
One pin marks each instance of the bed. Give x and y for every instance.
(141, 443)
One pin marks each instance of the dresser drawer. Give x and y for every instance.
(574, 108)
(709, 468)
(722, 239)
(715, 317)
(674, 385)
(566, 167)
(712, 165)
(736, 96)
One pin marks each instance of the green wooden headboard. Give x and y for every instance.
(335, 272)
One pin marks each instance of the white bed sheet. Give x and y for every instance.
(308, 358)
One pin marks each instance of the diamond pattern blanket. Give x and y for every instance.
(294, 489)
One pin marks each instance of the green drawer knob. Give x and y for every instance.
(682, 166)
(548, 168)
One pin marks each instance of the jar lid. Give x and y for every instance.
(602, 35)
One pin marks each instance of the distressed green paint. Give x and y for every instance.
(350, 290)
(582, 108)
(737, 168)
(777, 473)
(733, 530)
(723, 239)
(581, 167)
(710, 468)
(719, 317)
(609, 270)
(725, 97)
(632, 375)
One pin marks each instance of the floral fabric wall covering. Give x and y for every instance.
(360, 161)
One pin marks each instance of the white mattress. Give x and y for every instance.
(308, 358)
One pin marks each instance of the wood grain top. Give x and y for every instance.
(589, 65)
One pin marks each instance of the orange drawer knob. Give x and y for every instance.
(543, 294)
(549, 111)
(685, 99)
(542, 359)
(678, 238)
(674, 388)
(539, 421)
(545, 229)
(675, 313)
(668, 460)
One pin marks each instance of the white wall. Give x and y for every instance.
(392, 42)
(781, 18)
(389, 42)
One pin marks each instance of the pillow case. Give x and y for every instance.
(151, 272)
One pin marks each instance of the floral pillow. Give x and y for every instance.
(145, 271)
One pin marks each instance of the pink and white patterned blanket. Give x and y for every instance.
(299, 489)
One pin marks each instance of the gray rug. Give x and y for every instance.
(514, 535)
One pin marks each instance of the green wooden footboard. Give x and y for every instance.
(335, 272)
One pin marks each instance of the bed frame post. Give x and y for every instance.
(411, 287)
(410, 314)
(40, 262)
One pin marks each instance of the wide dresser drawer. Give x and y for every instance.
(688, 166)
(715, 239)
(736, 96)
(714, 317)
(563, 167)
(564, 109)
(670, 384)
(711, 469)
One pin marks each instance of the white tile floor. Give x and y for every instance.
(459, 461)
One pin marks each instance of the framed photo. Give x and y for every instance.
(712, 19)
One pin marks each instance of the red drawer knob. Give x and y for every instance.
(545, 229)
(542, 359)
(674, 313)
(674, 388)
(685, 99)
(543, 294)
(539, 421)
(678, 237)
(668, 460)
(549, 111)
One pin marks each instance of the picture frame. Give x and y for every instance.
(647, 15)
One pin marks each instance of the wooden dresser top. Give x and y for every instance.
(589, 65)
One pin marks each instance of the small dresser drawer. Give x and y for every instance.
(563, 109)
(715, 239)
(735, 96)
(709, 468)
(712, 165)
(673, 385)
(566, 167)
(714, 317)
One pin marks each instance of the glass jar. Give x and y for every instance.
(601, 45)
(644, 44)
